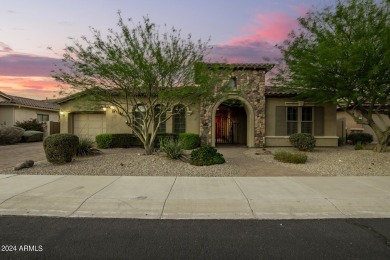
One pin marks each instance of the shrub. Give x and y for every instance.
(304, 142)
(85, 147)
(60, 148)
(287, 157)
(125, 140)
(206, 155)
(172, 147)
(104, 141)
(32, 124)
(11, 134)
(189, 141)
(358, 146)
(32, 136)
(364, 138)
(164, 136)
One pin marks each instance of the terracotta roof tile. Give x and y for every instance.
(28, 102)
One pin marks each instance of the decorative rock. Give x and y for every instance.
(25, 164)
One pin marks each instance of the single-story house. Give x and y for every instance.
(347, 125)
(14, 108)
(256, 116)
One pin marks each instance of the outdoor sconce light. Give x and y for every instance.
(62, 113)
(104, 109)
(113, 110)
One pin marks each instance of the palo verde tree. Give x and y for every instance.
(341, 54)
(140, 71)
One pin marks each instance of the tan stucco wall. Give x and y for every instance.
(330, 137)
(11, 114)
(7, 116)
(350, 123)
(22, 114)
(114, 122)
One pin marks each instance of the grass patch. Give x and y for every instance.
(287, 157)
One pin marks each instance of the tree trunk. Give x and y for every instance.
(383, 141)
(148, 145)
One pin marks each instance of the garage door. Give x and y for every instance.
(89, 125)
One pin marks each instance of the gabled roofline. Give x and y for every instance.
(244, 66)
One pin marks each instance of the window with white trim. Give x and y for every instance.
(179, 119)
(42, 117)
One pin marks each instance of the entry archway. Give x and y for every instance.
(233, 122)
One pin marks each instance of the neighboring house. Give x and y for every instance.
(347, 125)
(13, 109)
(255, 116)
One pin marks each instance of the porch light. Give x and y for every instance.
(62, 113)
(113, 109)
(104, 109)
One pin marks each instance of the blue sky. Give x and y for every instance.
(240, 31)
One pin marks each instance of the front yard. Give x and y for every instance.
(342, 161)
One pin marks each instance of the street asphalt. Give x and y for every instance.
(195, 197)
(87, 238)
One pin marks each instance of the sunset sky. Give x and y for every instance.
(240, 31)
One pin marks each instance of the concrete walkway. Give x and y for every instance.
(195, 197)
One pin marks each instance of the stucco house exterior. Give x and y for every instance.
(14, 108)
(250, 115)
(347, 125)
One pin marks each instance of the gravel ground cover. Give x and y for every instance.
(343, 161)
(131, 162)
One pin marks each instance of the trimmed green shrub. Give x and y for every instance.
(304, 142)
(10, 134)
(287, 157)
(206, 155)
(60, 148)
(123, 140)
(32, 124)
(104, 141)
(32, 136)
(85, 147)
(363, 138)
(189, 141)
(172, 147)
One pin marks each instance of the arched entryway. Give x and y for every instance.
(233, 122)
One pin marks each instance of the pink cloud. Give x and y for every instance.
(258, 43)
(29, 87)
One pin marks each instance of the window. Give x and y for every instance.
(307, 120)
(179, 119)
(139, 113)
(233, 83)
(299, 119)
(42, 117)
(163, 125)
(292, 120)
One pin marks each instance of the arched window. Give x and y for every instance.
(139, 113)
(179, 119)
(232, 83)
(163, 124)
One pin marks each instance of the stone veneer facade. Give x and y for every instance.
(250, 80)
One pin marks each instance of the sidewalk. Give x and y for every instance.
(195, 197)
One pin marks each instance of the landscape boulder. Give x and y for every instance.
(25, 164)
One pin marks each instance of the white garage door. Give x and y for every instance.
(89, 125)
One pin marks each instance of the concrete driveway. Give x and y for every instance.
(10, 155)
